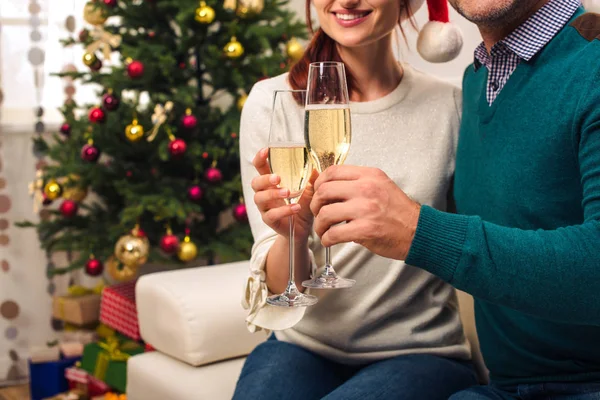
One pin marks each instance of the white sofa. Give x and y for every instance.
(194, 320)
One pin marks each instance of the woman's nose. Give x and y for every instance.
(349, 4)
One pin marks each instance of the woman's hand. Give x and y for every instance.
(270, 201)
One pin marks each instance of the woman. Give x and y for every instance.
(397, 332)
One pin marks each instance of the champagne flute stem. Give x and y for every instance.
(328, 266)
(291, 282)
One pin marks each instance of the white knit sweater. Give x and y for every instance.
(394, 308)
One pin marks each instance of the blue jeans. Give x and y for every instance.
(280, 370)
(538, 391)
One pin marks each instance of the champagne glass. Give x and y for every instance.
(289, 159)
(327, 134)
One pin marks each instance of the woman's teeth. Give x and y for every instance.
(349, 17)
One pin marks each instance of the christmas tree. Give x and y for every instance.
(147, 173)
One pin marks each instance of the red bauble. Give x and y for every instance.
(96, 66)
(84, 34)
(111, 3)
(111, 102)
(239, 213)
(97, 115)
(45, 200)
(141, 233)
(189, 122)
(177, 147)
(195, 193)
(90, 153)
(68, 208)
(65, 129)
(169, 243)
(94, 267)
(135, 69)
(213, 175)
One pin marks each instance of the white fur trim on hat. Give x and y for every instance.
(439, 42)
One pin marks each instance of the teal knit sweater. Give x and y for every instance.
(526, 239)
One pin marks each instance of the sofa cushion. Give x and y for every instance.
(195, 315)
(155, 376)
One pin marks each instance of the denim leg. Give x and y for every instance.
(280, 370)
(483, 393)
(560, 391)
(408, 377)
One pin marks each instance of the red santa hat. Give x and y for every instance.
(439, 41)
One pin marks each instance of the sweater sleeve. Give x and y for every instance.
(254, 135)
(552, 274)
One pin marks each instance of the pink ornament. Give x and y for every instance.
(97, 115)
(94, 267)
(135, 69)
(169, 243)
(65, 129)
(111, 3)
(68, 208)
(111, 102)
(189, 122)
(195, 193)
(177, 147)
(90, 153)
(239, 213)
(213, 175)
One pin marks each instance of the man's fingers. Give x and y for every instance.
(344, 233)
(260, 162)
(340, 173)
(264, 182)
(333, 191)
(333, 214)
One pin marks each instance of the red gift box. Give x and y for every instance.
(118, 311)
(79, 379)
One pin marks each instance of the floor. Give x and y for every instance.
(15, 393)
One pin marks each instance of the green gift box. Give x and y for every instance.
(107, 360)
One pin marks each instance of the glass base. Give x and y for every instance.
(292, 300)
(329, 281)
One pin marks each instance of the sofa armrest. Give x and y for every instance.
(195, 315)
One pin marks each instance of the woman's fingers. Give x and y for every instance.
(275, 216)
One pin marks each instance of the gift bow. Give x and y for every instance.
(113, 349)
(78, 290)
(105, 41)
(159, 117)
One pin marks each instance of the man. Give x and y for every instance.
(526, 237)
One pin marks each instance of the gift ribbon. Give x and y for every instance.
(112, 352)
(159, 117)
(105, 41)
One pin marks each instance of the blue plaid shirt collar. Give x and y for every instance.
(531, 36)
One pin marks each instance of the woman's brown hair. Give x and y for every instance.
(324, 48)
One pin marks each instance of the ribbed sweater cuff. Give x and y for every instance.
(438, 242)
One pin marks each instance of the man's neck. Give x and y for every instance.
(494, 33)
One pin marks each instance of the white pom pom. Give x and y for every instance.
(439, 42)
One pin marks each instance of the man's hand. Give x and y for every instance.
(378, 215)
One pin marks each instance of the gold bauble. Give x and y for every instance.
(120, 272)
(93, 14)
(248, 8)
(294, 49)
(132, 251)
(233, 49)
(77, 194)
(134, 132)
(89, 59)
(241, 101)
(205, 14)
(52, 190)
(187, 250)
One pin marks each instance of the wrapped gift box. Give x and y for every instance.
(44, 353)
(79, 336)
(118, 311)
(107, 361)
(71, 349)
(70, 395)
(79, 379)
(47, 379)
(77, 309)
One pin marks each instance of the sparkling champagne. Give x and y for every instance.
(291, 162)
(327, 134)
